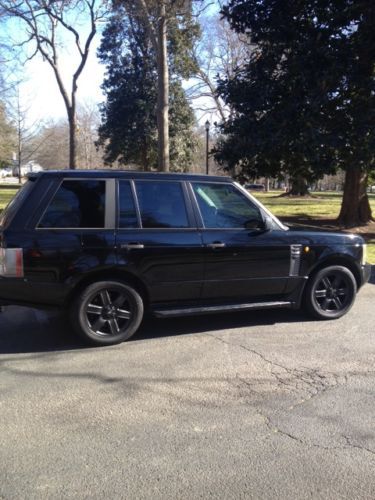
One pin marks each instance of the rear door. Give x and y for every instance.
(71, 236)
(157, 238)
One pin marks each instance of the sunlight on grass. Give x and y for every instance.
(320, 205)
(6, 194)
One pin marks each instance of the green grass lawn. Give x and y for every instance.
(6, 194)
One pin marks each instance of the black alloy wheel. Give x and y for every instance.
(107, 312)
(330, 293)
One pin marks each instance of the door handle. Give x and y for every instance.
(132, 246)
(216, 244)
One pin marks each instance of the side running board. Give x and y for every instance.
(189, 311)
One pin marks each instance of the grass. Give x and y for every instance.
(325, 205)
(320, 206)
(6, 194)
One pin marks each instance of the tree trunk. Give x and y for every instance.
(355, 207)
(163, 91)
(298, 186)
(72, 138)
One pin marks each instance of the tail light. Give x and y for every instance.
(11, 262)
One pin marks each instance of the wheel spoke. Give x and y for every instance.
(341, 291)
(106, 299)
(113, 325)
(337, 303)
(320, 294)
(326, 282)
(122, 313)
(93, 309)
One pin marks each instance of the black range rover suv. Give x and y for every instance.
(108, 245)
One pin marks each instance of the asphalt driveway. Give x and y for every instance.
(247, 405)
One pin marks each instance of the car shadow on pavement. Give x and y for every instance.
(26, 330)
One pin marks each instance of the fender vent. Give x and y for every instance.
(295, 259)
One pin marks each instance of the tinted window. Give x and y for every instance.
(77, 204)
(222, 205)
(161, 204)
(127, 214)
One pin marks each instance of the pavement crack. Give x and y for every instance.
(310, 382)
(350, 444)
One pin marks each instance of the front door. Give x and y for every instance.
(243, 260)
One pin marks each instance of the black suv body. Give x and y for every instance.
(108, 245)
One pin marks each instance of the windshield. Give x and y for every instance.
(15, 203)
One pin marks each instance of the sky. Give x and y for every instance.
(41, 93)
(39, 90)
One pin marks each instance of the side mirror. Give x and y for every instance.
(256, 224)
(263, 225)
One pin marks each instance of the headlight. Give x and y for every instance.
(364, 253)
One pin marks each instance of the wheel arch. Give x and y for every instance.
(107, 275)
(337, 260)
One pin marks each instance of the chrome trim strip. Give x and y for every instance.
(161, 313)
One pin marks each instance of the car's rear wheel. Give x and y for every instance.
(330, 293)
(107, 312)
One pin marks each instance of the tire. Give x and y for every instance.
(330, 293)
(107, 312)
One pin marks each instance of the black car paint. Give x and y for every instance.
(170, 265)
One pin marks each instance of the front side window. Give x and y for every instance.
(162, 204)
(224, 206)
(77, 204)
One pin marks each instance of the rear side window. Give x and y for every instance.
(127, 212)
(76, 204)
(162, 204)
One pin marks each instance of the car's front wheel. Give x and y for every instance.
(107, 312)
(330, 293)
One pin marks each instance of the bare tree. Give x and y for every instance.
(45, 21)
(52, 147)
(219, 54)
(26, 143)
(88, 120)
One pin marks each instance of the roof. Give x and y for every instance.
(129, 174)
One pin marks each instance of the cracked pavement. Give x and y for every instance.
(248, 405)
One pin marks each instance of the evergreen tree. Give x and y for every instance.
(303, 104)
(129, 116)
